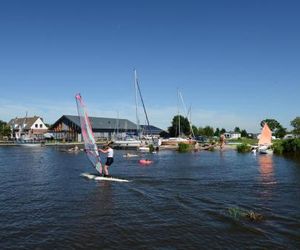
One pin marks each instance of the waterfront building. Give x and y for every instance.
(68, 128)
(27, 128)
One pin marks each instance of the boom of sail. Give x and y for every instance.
(90, 145)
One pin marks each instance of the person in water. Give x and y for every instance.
(222, 141)
(109, 160)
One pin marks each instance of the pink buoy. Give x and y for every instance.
(145, 161)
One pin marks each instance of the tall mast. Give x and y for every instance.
(187, 114)
(178, 113)
(139, 90)
(136, 104)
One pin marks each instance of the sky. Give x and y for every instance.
(234, 62)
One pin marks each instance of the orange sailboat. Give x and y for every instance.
(265, 140)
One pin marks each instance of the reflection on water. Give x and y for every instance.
(267, 176)
(266, 169)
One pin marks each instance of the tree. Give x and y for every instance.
(184, 126)
(272, 123)
(4, 129)
(280, 132)
(195, 129)
(296, 124)
(217, 132)
(222, 131)
(208, 131)
(200, 131)
(244, 133)
(275, 126)
(237, 130)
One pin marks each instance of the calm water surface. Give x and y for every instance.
(179, 202)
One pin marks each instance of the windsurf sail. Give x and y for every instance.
(90, 145)
(265, 136)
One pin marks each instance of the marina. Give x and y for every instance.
(149, 125)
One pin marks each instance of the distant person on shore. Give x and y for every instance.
(109, 160)
(222, 141)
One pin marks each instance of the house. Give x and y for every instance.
(232, 135)
(27, 128)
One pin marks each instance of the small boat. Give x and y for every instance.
(28, 143)
(265, 141)
(127, 143)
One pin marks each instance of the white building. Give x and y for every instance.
(232, 135)
(27, 128)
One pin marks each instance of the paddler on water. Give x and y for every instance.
(222, 141)
(109, 160)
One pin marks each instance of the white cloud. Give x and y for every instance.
(158, 116)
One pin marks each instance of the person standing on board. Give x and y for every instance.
(109, 160)
(222, 141)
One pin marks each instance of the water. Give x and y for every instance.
(179, 202)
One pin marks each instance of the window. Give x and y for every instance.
(36, 125)
(41, 125)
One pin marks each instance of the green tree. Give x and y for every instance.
(237, 130)
(272, 123)
(222, 131)
(4, 129)
(195, 129)
(280, 132)
(244, 133)
(208, 131)
(217, 132)
(200, 131)
(184, 126)
(296, 124)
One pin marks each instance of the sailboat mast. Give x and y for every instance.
(178, 113)
(138, 87)
(187, 114)
(136, 104)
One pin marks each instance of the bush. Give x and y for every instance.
(182, 147)
(278, 147)
(243, 148)
(291, 145)
(287, 146)
(151, 148)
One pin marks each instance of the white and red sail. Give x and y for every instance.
(265, 136)
(90, 145)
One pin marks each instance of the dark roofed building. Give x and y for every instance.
(147, 130)
(68, 127)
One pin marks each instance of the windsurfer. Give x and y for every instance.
(109, 160)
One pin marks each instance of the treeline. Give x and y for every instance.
(4, 129)
(181, 126)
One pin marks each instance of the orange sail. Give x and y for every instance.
(265, 136)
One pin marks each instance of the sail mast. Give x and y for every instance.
(136, 104)
(187, 114)
(178, 112)
(139, 90)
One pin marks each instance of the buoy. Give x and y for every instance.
(145, 161)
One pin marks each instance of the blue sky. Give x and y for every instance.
(235, 62)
